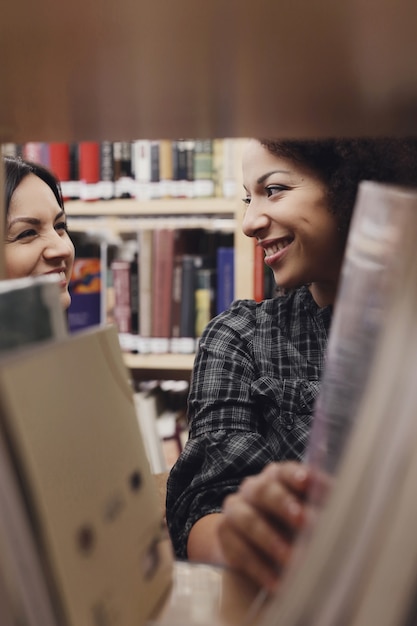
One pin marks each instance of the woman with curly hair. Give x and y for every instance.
(236, 494)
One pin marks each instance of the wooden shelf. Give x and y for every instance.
(159, 366)
(163, 207)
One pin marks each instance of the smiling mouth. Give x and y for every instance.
(277, 246)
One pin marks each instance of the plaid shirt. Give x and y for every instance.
(255, 380)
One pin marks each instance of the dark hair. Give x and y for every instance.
(343, 163)
(16, 169)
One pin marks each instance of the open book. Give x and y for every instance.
(80, 523)
(357, 563)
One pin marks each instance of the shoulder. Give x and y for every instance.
(244, 318)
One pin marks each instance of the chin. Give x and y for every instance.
(65, 300)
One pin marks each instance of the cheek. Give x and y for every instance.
(15, 264)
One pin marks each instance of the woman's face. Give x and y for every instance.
(37, 241)
(287, 212)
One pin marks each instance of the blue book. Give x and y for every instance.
(225, 291)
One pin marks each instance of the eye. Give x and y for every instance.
(273, 190)
(26, 234)
(61, 226)
(246, 200)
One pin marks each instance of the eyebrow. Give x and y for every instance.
(33, 220)
(263, 178)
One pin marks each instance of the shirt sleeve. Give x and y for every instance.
(226, 441)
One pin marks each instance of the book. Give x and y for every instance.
(162, 262)
(59, 163)
(147, 414)
(203, 168)
(190, 264)
(204, 295)
(258, 272)
(122, 312)
(123, 176)
(146, 269)
(141, 168)
(360, 543)
(165, 168)
(179, 249)
(225, 285)
(30, 311)
(89, 170)
(89, 502)
(106, 174)
(85, 288)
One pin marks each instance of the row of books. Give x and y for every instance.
(162, 296)
(142, 169)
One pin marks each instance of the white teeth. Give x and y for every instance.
(276, 247)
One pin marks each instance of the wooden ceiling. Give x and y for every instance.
(126, 69)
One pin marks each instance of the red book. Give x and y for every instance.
(258, 273)
(59, 163)
(89, 169)
(163, 258)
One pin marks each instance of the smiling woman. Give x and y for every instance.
(37, 241)
(236, 494)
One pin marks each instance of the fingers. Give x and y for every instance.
(252, 544)
(261, 521)
(278, 492)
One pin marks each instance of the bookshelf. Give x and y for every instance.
(124, 218)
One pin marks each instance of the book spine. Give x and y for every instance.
(89, 170)
(258, 273)
(86, 293)
(122, 303)
(74, 179)
(59, 163)
(106, 184)
(123, 177)
(163, 247)
(155, 183)
(165, 168)
(203, 168)
(141, 167)
(188, 312)
(204, 299)
(145, 240)
(225, 289)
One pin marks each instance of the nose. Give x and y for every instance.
(58, 245)
(255, 220)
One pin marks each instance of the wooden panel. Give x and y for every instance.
(134, 68)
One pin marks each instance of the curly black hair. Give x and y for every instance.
(343, 163)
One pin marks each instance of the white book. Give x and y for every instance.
(357, 562)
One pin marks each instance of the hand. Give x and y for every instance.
(261, 521)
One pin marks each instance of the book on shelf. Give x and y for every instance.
(204, 294)
(106, 171)
(59, 163)
(80, 520)
(89, 170)
(123, 175)
(86, 287)
(163, 245)
(203, 168)
(225, 286)
(146, 269)
(37, 152)
(190, 264)
(165, 168)
(360, 543)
